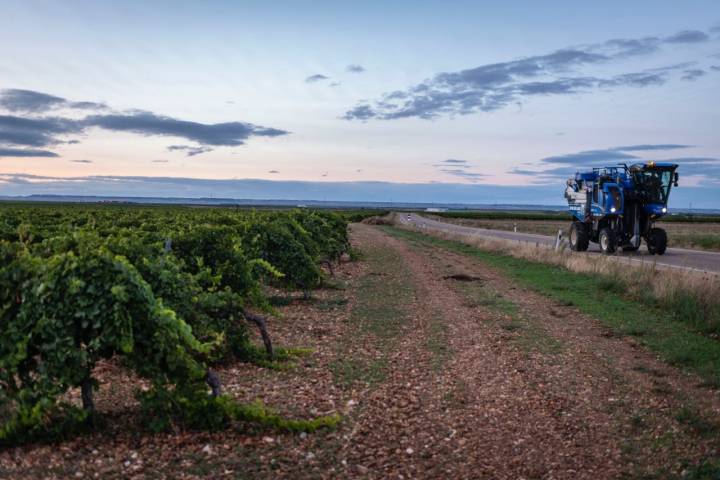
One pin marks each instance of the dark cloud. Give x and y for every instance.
(82, 161)
(693, 74)
(613, 154)
(650, 147)
(688, 36)
(335, 84)
(316, 78)
(36, 132)
(189, 150)
(452, 160)
(159, 161)
(29, 101)
(715, 68)
(590, 157)
(17, 100)
(493, 86)
(20, 152)
(40, 131)
(273, 171)
(147, 123)
(552, 170)
(354, 68)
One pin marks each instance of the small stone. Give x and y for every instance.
(409, 451)
(79, 474)
(303, 435)
(134, 455)
(127, 463)
(268, 439)
(207, 449)
(344, 258)
(310, 455)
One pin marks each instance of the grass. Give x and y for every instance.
(437, 342)
(378, 317)
(657, 328)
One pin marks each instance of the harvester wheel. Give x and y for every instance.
(579, 237)
(607, 241)
(656, 241)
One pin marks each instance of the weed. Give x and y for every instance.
(692, 419)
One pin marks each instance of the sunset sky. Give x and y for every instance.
(479, 102)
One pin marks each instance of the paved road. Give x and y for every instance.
(678, 258)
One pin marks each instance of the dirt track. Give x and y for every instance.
(463, 375)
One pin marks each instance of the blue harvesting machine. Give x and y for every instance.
(618, 206)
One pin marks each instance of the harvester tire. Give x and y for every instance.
(656, 241)
(607, 241)
(579, 237)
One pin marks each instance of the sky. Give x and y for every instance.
(446, 101)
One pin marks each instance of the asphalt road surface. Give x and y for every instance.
(678, 258)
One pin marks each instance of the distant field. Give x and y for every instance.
(696, 232)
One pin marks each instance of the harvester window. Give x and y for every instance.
(595, 193)
(655, 184)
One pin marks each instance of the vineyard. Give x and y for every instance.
(169, 292)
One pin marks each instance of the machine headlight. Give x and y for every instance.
(612, 209)
(664, 209)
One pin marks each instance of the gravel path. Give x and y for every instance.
(567, 401)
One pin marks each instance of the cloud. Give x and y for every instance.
(688, 36)
(651, 147)
(335, 84)
(273, 171)
(493, 86)
(589, 157)
(458, 168)
(457, 172)
(159, 161)
(354, 68)
(36, 132)
(82, 161)
(29, 101)
(147, 123)
(566, 165)
(190, 150)
(693, 74)
(20, 152)
(316, 78)
(715, 68)
(612, 154)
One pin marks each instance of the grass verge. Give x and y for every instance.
(600, 296)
